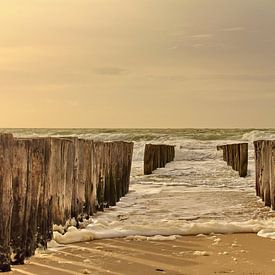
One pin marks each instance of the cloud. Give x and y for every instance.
(263, 77)
(199, 45)
(201, 36)
(167, 77)
(175, 47)
(233, 29)
(200, 40)
(112, 71)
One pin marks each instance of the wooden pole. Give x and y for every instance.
(257, 165)
(266, 159)
(224, 153)
(37, 179)
(157, 156)
(148, 159)
(6, 202)
(236, 156)
(45, 213)
(20, 183)
(57, 184)
(67, 160)
(130, 148)
(243, 159)
(261, 143)
(230, 155)
(272, 175)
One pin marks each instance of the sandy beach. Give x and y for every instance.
(215, 254)
(137, 137)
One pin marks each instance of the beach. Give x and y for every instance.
(215, 254)
(194, 216)
(137, 137)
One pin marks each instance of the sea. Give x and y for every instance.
(195, 194)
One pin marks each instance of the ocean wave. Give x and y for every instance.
(160, 135)
(259, 135)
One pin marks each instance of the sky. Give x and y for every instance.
(137, 63)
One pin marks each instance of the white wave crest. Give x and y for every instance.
(258, 135)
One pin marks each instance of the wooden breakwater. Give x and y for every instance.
(156, 156)
(265, 171)
(236, 156)
(46, 181)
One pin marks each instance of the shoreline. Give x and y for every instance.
(244, 253)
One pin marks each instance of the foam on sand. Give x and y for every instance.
(73, 235)
(148, 232)
(267, 233)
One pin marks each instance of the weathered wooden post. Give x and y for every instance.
(21, 198)
(68, 160)
(85, 203)
(243, 151)
(119, 172)
(57, 188)
(81, 177)
(99, 173)
(237, 157)
(36, 181)
(163, 155)
(123, 170)
(173, 153)
(130, 148)
(95, 177)
(6, 199)
(112, 174)
(230, 155)
(45, 217)
(75, 208)
(224, 151)
(257, 155)
(87, 178)
(156, 156)
(107, 173)
(272, 175)
(148, 159)
(266, 155)
(31, 216)
(115, 177)
(169, 153)
(60, 178)
(127, 162)
(234, 150)
(261, 145)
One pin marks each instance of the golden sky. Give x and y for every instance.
(137, 63)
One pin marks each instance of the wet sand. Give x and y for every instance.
(203, 255)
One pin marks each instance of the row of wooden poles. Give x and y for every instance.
(46, 181)
(236, 156)
(156, 156)
(265, 171)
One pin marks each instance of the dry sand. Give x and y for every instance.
(218, 254)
